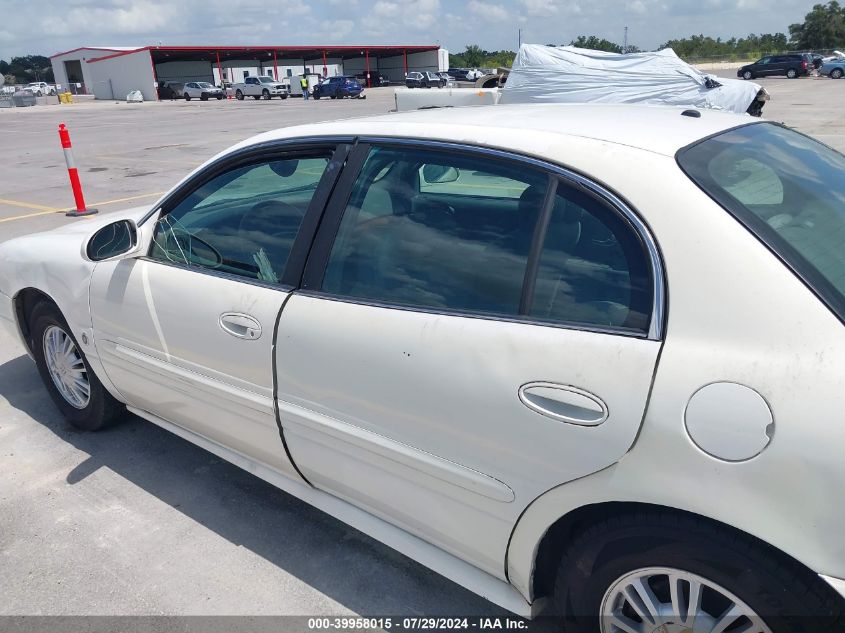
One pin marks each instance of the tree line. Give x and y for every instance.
(26, 69)
(823, 28)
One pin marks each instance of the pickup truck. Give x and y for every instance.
(40, 88)
(261, 86)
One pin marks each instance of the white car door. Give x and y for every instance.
(473, 330)
(187, 332)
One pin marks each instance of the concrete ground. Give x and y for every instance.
(135, 520)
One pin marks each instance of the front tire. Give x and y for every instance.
(655, 569)
(265, 94)
(71, 383)
(836, 73)
(187, 97)
(747, 75)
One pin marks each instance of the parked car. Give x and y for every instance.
(376, 79)
(261, 87)
(792, 65)
(338, 88)
(505, 355)
(426, 79)
(834, 69)
(171, 90)
(459, 74)
(201, 90)
(40, 88)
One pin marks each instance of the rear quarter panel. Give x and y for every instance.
(737, 314)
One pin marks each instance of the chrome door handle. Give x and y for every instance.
(240, 325)
(563, 402)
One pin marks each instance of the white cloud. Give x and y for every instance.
(487, 10)
(539, 7)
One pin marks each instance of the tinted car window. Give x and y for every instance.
(466, 251)
(446, 231)
(242, 222)
(786, 188)
(593, 269)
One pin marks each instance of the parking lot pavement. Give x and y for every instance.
(135, 520)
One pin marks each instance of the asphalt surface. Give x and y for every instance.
(134, 520)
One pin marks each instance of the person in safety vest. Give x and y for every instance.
(303, 82)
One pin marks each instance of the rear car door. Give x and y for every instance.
(473, 330)
(187, 332)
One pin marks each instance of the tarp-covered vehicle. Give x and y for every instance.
(565, 74)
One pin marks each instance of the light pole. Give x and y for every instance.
(519, 40)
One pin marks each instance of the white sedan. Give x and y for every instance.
(582, 358)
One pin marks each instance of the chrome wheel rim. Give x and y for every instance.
(66, 367)
(666, 600)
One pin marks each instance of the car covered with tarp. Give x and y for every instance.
(565, 74)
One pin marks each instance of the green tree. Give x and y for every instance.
(474, 55)
(596, 44)
(31, 68)
(823, 27)
(500, 59)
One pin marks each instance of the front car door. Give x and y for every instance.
(473, 330)
(187, 332)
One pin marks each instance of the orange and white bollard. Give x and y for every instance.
(73, 174)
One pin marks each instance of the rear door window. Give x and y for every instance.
(451, 232)
(789, 190)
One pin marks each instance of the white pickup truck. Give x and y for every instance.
(261, 86)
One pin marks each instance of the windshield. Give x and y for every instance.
(267, 80)
(789, 190)
(204, 84)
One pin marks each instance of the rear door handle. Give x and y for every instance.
(240, 325)
(564, 402)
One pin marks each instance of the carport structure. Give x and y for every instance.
(145, 68)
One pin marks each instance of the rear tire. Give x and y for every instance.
(612, 556)
(239, 95)
(219, 97)
(792, 73)
(48, 328)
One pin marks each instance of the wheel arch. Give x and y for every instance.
(24, 302)
(551, 547)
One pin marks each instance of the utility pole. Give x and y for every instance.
(625, 45)
(519, 40)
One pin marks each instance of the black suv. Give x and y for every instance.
(792, 65)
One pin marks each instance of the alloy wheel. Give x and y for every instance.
(666, 600)
(66, 367)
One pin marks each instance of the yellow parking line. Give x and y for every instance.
(28, 205)
(56, 210)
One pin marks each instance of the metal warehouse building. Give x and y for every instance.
(112, 72)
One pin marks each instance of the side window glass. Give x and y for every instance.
(243, 221)
(438, 230)
(593, 268)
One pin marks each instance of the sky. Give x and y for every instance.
(49, 26)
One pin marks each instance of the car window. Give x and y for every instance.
(789, 190)
(398, 244)
(593, 269)
(243, 221)
(765, 60)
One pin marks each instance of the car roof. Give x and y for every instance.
(659, 129)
